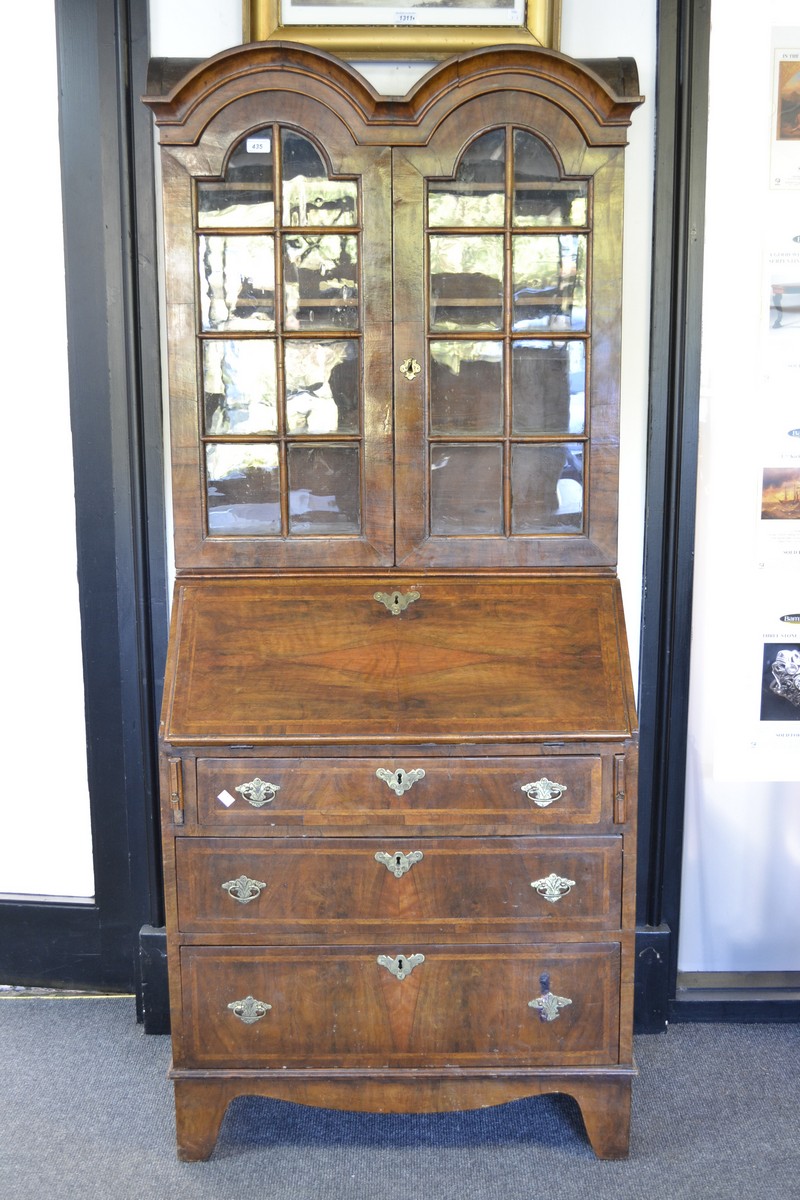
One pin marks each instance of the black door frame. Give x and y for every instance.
(684, 28)
(115, 408)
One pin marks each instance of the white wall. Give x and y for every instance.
(45, 846)
(741, 871)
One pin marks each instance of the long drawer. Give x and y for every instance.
(400, 1005)
(279, 793)
(348, 889)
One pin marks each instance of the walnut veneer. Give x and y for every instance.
(398, 734)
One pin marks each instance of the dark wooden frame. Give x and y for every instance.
(109, 227)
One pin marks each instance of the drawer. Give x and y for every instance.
(354, 889)
(276, 793)
(305, 1007)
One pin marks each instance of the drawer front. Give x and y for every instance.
(271, 794)
(419, 1006)
(354, 889)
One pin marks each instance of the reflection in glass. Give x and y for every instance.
(324, 491)
(239, 386)
(466, 387)
(244, 199)
(466, 282)
(309, 196)
(548, 387)
(466, 489)
(477, 194)
(243, 490)
(541, 197)
(549, 281)
(237, 282)
(320, 281)
(547, 488)
(322, 387)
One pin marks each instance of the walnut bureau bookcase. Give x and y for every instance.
(398, 734)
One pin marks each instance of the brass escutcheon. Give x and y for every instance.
(396, 602)
(410, 368)
(399, 863)
(548, 1005)
(402, 966)
(399, 780)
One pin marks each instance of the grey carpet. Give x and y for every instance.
(87, 1113)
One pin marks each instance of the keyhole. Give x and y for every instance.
(401, 963)
(399, 775)
(397, 860)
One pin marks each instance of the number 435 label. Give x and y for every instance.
(258, 145)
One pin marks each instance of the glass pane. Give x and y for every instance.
(243, 489)
(549, 279)
(322, 387)
(466, 489)
(547, 488)
(309, 196)
(320, 281)
(477, 194)
(541, 197)
(548, 387)
(466, 282)
(237, 282)
(324, 491)
(239, 387)
(466, 387)
(245, 197)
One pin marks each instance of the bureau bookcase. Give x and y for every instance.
(398, 734)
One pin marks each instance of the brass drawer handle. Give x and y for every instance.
(400, 781)
(396, 602)
(402, 966)
(258, 792)
(244, 889)
(548, 1004)
(543, 791)
(399, 863)
(553, 886)
(249, 1010)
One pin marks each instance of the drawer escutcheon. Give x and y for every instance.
(398, 863)
(402, 966)
(400, 781)
(548, 1004)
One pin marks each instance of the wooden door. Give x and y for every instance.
(506, 260)
(279, 293)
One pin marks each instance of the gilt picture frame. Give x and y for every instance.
(380, 29)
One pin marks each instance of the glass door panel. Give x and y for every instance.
(506, 430)
(282, 414)
(466, 489)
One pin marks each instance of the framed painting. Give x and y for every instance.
(398, 29)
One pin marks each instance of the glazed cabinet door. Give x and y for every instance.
(279, 273)
(506, 255)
